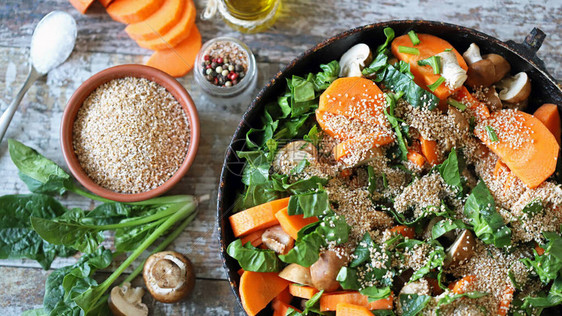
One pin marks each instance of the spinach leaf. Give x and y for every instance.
(306, 250)
(329, 73)
(434, 261)
(84, 238)
(313, 136)
(17, 238)
(413, 304)
(348, 279)
(375, 293)
(309, 204)
(553, 298)
(448, 299)
(413, 94)
(450, 171)
(40, 174)
(444, 226)
(302, 89)
(251, 258)
(488, 224)
(547, 266)
(533, 208)
(311, 307)
(400, 128)
(362, 251)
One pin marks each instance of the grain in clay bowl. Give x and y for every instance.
(165, 162)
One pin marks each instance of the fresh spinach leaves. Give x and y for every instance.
(413, 304)
(251, 258)
(547, 266)
(309, 204)
(450, 170)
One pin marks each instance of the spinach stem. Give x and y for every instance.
(89, 195)
(142, 220)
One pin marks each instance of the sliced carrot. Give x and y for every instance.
(159, 22)
(539, 249)
(404, 231)
(479, 108)
(346, 309)
(132, 11)
(524, 144)
(330, 301)
(105, 3)
(240, 272)
(416, 158)
(353, 97)
(257, 289)
(254, 238)
(548, 114)
(281, 308)
(429, 46)
(180, 31)
(361, 145)
(291, 224)
(430, 151)
(461, 285)
(284, 296)
(81, 5)
(499, 170)
(257, 217)
(178, 61)
(306, 292)
(506, 301)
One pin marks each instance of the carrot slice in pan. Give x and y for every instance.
(548, 114)
(176, 34)
(179, 60)
(430, 150)
(523, 143)
(506, 301)
(416, 158)
(132, 11)
(105, 3)
(429, 45)
(254, 238)
(302, 291)
(361, 145)
(257, 289)
(81, 5)
(479, 108)
(159, 22)
(291, 224)
(257, 218)
(330, 301)
(460, 286)
(346, 309)
(281, 308)
(404, 231)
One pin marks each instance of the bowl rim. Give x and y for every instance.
(116, 72)
(222, 209)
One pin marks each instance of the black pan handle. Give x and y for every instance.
(530, 46)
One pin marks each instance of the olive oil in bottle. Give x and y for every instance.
(251, 16)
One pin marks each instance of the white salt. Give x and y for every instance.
(52, 41)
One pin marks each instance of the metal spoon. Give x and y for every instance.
(52, 42)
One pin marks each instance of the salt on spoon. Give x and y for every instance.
(52, 42)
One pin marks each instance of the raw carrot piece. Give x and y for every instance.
(105, 3)
(417, 158)
(330, 301)
(159, 22)
(346, 309)
(461, 285)
(404, 231)
(361, 145)
(179, 60)
(81, 5)
(354, 97)
(254, 238)
(240, 272)
(306, 292)
(480, 109)
(176, 34)
(132, 11)
(281, 308)
(284, 296)
(539, 249)
(257, 217)
(430, 150)
(257, 289)
(429, 45)
(291, 224)
(523, 143)
(506, 301)
(548, 114)
(499, 170)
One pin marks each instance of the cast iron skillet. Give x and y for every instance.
(520, 56)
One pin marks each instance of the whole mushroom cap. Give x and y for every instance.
(481, 73)
(501, 66)
(324, 271)
(169, 276)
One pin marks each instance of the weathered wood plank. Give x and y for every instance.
(22, 289)
(312, 21)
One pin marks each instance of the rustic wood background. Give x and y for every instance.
(102, 43)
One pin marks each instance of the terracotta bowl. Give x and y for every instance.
(139, 71)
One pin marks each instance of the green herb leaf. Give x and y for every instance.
(457, 104)
(446, 225)
(362, 251)
(329, 73)
(375, 293)
(547, 266)
(434, 62)
(491, 133)
(414, 37)
(309, 204)
(450, 171)
(488, 224)
(448, 299)
(347, 277)
(251, 258)
(413, 94)
(396, 124)
(413, 304)
(408, 50)
(436, 84)
(306, 250)
(533, 208)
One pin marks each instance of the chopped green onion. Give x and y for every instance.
(414, 37)
(457, 104)
(436, 84)
(408, 50)
(492, 134)
(433, 61)
(448, 49)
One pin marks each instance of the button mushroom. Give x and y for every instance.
(461, 250)
(297, 274)
(484, 70)
(515, 89)
(125, 300)
(492, 99)
(290, 155)
(169, 276)
(324, 271)
(354, 60)
(454, 75)
(276, 239)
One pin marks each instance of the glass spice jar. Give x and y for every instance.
(226, 71)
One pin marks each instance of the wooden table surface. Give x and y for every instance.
(102, 43)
